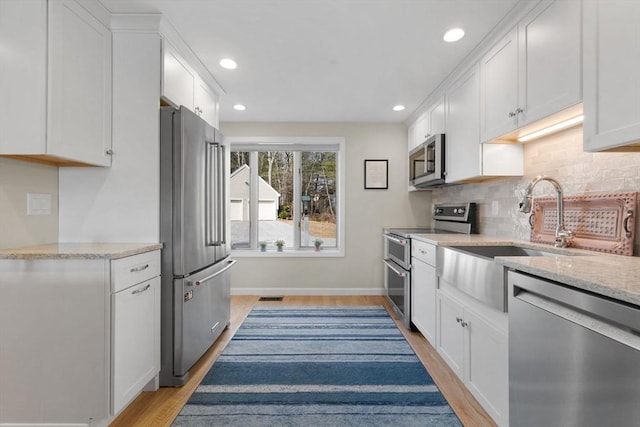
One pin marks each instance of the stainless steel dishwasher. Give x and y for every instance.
(574, 357)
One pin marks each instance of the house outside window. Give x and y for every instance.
(287, 192)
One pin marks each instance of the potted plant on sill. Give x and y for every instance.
(263, 246)
(279, 245)
(317, 244)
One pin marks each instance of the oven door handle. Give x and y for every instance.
(402, 242)
(395, 270)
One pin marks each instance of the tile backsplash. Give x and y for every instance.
(559, 156)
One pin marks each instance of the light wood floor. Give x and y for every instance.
(159, 408)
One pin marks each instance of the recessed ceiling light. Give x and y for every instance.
(398, 108)
(453, 35)
(239, 107)
(228, 63)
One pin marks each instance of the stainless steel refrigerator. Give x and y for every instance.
(195, 299)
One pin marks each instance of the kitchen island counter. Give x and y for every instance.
(78, 251)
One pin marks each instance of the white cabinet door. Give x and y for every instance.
(206, 103)
(450, 336)
(486, 366)
(424, 280)
(499, 88)
(136, 340)
(23, 27)
(418, 131)
(611, 64)
(178, 81)
(462, 142)
(437, 118)
(550, 65)
(57, 81)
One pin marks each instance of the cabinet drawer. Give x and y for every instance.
(425, 252)
(128, 271)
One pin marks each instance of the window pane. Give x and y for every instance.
(240, 186)
(275, 193)
(318, 174)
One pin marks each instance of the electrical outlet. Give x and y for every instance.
(38, 204)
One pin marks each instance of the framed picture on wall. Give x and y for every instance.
(376, 174)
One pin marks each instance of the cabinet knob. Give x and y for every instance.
(109, 152)
(463, 324)
(512, 114)
(519, 110)
(458, 319)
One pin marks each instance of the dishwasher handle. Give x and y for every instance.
(556, 297)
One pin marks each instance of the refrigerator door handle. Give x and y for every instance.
(221, 196)
(214, 275)
(212, 195)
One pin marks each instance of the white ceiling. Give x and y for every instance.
(326, 60)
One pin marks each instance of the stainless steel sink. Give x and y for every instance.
(472, 270)
(507, 250)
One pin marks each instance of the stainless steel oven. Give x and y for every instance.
(449, 219)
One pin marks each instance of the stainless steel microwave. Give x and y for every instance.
(426, 163)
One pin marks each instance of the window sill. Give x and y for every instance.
(301, 253)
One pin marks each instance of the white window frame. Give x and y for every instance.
(296, 144)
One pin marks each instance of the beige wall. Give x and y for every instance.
(559, 156)
(17, 178)
(366, 213)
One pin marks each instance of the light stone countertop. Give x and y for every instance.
(614, 276)
(78, 251)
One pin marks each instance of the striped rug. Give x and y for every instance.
(317, 366)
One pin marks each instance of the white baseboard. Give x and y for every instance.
(307, 291)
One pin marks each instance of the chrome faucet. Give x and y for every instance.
(563, 236)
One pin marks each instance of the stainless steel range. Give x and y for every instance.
(450, 218)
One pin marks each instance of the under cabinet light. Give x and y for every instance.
(551, 129)
(398, 108)
(239, 107)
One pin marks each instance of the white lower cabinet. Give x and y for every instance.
(424, 283)
(472, 339)
(84, 341)
(136, 340)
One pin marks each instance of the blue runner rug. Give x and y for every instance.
(317, 366)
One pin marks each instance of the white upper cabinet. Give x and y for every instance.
(499, 88)
(436, 118)
(418, 131)
(57, 82)
(466, 158)
(205, 103)
(178, 81)
(181, 85)
(534, 71)
(462, 142)
(431, 122)
(611, 64)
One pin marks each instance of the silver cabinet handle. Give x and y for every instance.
(141, 290)
(138, 269)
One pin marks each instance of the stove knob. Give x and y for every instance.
(461, 211)
(455, 210)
